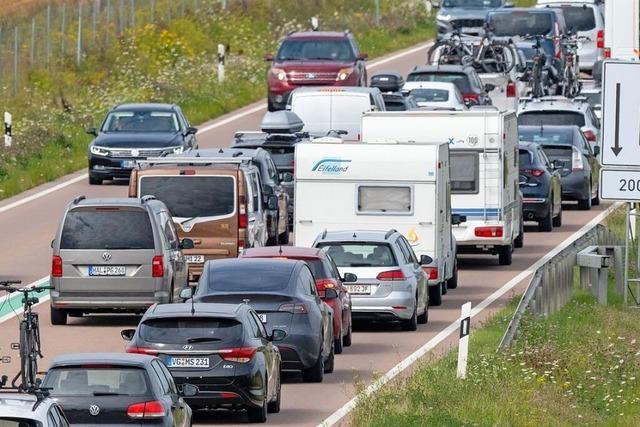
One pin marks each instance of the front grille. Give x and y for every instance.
(128, 152)
(467, 23)
(311, 77)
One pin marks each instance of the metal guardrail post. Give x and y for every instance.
(546, 276)
(618, 265)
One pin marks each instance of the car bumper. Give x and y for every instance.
(218, 392)
(398, 305)
(535, 208)
(575, 186)
(89, 302)
(299, 351)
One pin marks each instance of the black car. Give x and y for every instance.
(397, 101)
(574, 157)
(541, 188)
(117, 389)
(284, 294)
(222, 349)
(465, 77)
(132, 132)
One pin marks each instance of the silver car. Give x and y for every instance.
(22, 409)
(115, 255)
(391, 283)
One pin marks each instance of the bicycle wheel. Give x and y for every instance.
(436, 48)
(28, 356)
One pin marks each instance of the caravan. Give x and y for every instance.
(484, 170)
(350, 186)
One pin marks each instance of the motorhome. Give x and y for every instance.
(353, 186)
(621, 30)
(483, 145)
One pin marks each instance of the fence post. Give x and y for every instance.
(79, 46)
(16, 57)
(618, 266)
(63, 30)
(377, 12)
(221, 61)
(48, 39)
(32, 51)
(133, 14)
(7, 129)
(463, 347)
(224, 4)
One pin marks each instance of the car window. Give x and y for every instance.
(260, 331)
(430, 95)
(172, 385)
(526, 158)
(547, 136)
(246, 277)
(61, 417)
(86, 380)
(21, 422)
(254, 194)
(179, 330)
(551, 117)
(544, 158)
(412, 254)
(579, 18)
(308, 281)
(461, 80)
(163, 380)
(520, 23)
(273, 171)
(360, 254)
(51, 419)
(406, 258)
(169, 231)
(464, 172)
(585, 146)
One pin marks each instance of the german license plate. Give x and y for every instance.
(107, 270)
(195, 259)
(188, 362)
(359, 289)
(263, 317)
(128, 164)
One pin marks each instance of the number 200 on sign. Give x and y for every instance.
(620, 185)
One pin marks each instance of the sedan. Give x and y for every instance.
(285, 296)
(222, 349)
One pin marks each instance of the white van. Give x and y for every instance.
(351, 186)
(621, 24)
(330, 108)
(484, 170)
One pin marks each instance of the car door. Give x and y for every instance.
(556, 185)
(594, 164)
(411, 261)
(256, 222)
(176, 257)
(279, 191)
(343, 294)
(178, 406)
(324, 322)
(259, 333)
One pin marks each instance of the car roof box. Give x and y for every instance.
(387, 81)
(281, 122)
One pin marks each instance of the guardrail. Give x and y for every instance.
(551, 286)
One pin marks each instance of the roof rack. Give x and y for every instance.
(40, 393)
(148, 197)
(192, 160)
(79, 199)
(390, 233)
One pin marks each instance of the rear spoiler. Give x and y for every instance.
(191, 161)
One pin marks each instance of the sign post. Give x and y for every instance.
(463, 346)
(7, 130)
(221, 63)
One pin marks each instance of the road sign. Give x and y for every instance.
(620, 184)
(621, 114)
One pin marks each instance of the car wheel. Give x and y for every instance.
(331, 359)
(505, 255)
(585, 204)
(557, 221)
(338, 345)
(424, 317)
(411, 324)
(596, 200)
(546, 223)
(258, 415)
(94, 180)
(274, 407)
(315, 374)
(435, 295)
(270, 105)
(519, 241)
(452, 283)
(58, 316)
(346, 340)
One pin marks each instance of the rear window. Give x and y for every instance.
(107, 229)
(579, 18)
(319, 269)
(554, 153)
(355, 254)
(551, 118)
(246, 277)
(526, 158)
(395, 105)
(464, 173)
(191, 330)
(547, 137)
(520, 23)
(207, 196)
(430, 95)
(461, 80)
(384, 200)
(89, 381)
(17, 422)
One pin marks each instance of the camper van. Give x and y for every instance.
(483, 146)
(353, 186)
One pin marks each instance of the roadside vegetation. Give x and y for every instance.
(176, 62)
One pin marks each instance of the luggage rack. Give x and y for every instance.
(193, 161)
(40, 393)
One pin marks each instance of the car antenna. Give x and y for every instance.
(193, 307)
(280, 250)
(221, 151)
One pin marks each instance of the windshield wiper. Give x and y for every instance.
(202, 339)
(109, 393)
(187, 220)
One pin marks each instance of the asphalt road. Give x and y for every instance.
(28, 228)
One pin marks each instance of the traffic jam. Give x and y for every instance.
(350, 206)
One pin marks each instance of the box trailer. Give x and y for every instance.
(483, 146)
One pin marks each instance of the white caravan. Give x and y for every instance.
(355, 186)
(484, 170)
(621, 34)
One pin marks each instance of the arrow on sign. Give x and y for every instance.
(616, 148)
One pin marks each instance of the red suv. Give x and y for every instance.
(314, 58)
(327, 277)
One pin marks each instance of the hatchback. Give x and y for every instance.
(465, 78)
(115, 255)
(29, 410)
(222, 349)
(436, 95)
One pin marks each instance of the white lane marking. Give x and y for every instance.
(43, 193)
(10, 299)
(232, 118)
(334, 418)
(411, 51)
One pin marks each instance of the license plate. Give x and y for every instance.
(194, 259)
(188, 362)
(359, 289)
(107, 270)
(263, 317)
(129, 164)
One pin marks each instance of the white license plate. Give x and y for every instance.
(107, 270)
(359, 289)
(263, 317)
(195, 259)
(129, 164)
(188, 362)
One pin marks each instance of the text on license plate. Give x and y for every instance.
(188, 362)
(107, 270)
(359, 289)
(194, 259)
(263, 317)
(128, 164)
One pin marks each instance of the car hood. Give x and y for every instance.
(138, 140)
(464, 13)
(317, 66)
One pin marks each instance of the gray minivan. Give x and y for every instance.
(115, 255)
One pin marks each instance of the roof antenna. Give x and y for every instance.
(354, 236)
(280, 250)
(221, 151)
(193, 307)
(198, 154)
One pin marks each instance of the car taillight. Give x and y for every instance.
(239, 354)
(576, 160)
(157, 266)
(590, 135)
(242, 220)
(294, 308)
(432, 272)
(600, 39)
(391, 275)
(534, 172)
(141, 350)
(146, 410)
(471, 97)
(511, 90)
(56, 266)
(322, 284)
(489, 232)
(607, 52)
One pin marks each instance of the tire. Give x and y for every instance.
(546, 223)
(424, 317)
(444, 287)
(433, 49)
(412, 323)
(94, 180)
(596, 200)
(274, 407)
(585, 204)
(330, 363)
(519, 241)
(314, 374)
(435, 295)
(58, 316)
(258, 415)
(557, 221)
(346, 340)
(284, 237)
(270, 105)
(338, 345)
(505, 255)
(452, 283)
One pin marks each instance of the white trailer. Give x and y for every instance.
(484, 170)
(621, 32)
(355, 186)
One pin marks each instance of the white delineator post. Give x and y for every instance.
(7, 129)
(220, 63)
(463, 347)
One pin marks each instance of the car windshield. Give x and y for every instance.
(472, 3)
(246, 277)
(546, 136)
(551, 118)
(107, 228)
(430, 95)
(17, 422)
(141, 121)
(96, 381)
(579, 18)
(207, 196)
(357, 254)
(301, 50)
(191, 330)
(520, 23)
(459, 79)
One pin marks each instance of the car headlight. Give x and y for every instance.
(344, 74)
(99, 151)
(279, 74)
(443, 18)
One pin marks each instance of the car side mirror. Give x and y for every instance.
(425, 260)
(92, 131)
(127, 334)
(272, 202)
(363, 56)
(186, 293)
(287, 177)
(489, 87)
(457, 219)
(268, 57)
(189, 390)
(53, 243)
(191, 131)
(187, 244)
(349, 278)
(596, 150)
(330, 293)
(277, 335)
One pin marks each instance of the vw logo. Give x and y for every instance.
(94, 410)
(135, 153)
(311, 76)
(187, 347)
(106, 256)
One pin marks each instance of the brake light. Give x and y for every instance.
(146, 410)
(141, 350)
(188, 172)
(240, 245)
(607, 52)
(56, 266)
(600, 39)
(391, 275)
(511, 90)
(432, 272)
(590, 135)
(534, 172)
(322, 284)
(157, 266)
(489, 232)
(576, 160)
(294, 308)
(239, 354)
(471, 97)
(242, 213)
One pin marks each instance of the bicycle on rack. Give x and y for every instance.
(539, 75)
(571, 85)
(29, 346)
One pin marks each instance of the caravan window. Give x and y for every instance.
(384, 200)
(464, 173)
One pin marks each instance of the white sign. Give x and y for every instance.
(620, 114)
(620, 184)
(7, 129)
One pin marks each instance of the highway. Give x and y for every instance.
(28, 222)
